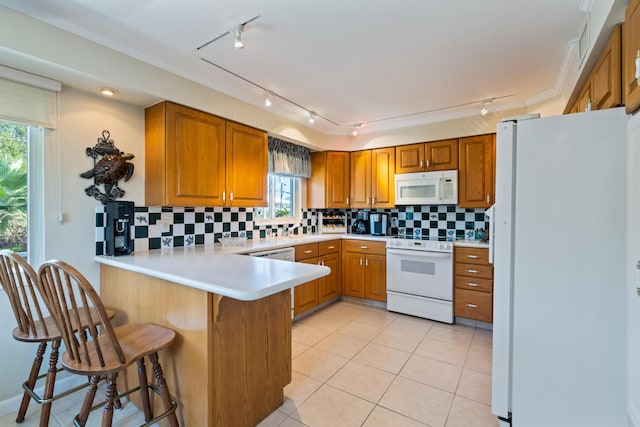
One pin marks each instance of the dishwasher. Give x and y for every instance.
(286, 254)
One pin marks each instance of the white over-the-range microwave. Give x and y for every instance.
(427, 188)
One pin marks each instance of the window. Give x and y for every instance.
(283, 198)
(14, 144)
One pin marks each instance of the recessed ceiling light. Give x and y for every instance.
(107, 91)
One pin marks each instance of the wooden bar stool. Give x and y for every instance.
(104, 350)
(20, 283)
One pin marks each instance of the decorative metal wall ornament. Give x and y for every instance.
(111, 168)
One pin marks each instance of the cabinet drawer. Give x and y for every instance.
(474, 270)
(472, 255)
(365, 247)
(473, 305)
(474, 284)
(307, 251)
(330, 247)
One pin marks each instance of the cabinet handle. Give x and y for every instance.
(373, 201)
(364, 247)
(224, 197)
(421, 164)
(427, 163)
(368, 200)
(472, 256)
(472, 271)
(347, 201)
(308, 251)
(331, 247)
(366, 262)
(360, 262)
(638, 67)
(472, 306)
(472, 284)
(231, 197)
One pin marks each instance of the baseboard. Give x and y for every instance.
(12, 404)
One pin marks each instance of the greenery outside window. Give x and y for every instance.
(283, 200)
(14, 143)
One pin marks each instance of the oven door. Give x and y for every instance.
(421, 273)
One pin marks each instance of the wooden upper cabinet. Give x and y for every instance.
(630, 52)
(476, 173)
(193, 158)
(328, 186)
(372, 178)
(429, 156)
(584, 99)
(184, 156)
(247, 166)
(360, 178)
(606, 77)
(383, 171)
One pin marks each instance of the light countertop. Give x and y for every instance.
(226, 271)
(212, 269)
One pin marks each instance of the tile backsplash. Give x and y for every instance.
(202, 225)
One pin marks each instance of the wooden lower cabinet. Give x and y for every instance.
(228, 354)
(305, 296)
(473, 284)
(308, 295)
(364, 270)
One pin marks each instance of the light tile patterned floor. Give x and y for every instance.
(357, 365)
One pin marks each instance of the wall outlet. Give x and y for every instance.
(163, 225)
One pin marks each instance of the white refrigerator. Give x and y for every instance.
(558, 249)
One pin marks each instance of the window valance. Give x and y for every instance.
(289, 159)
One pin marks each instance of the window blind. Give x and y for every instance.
(28, 103)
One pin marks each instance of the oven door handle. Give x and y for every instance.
(419, 254)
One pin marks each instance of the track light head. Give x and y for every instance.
(267, 99)
(355, 128)
(312, 117)
(237, 37)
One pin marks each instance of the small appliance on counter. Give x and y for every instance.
(117, 234)
(361, 224)
(332, 222)
(379, 224)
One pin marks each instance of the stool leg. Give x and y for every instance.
(88, 400)
(49, 383)
(31, 381)
(112, 393)
(164, 390)
(144, 389)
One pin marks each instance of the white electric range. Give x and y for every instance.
(420, 278)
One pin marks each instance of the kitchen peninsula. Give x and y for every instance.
(232, 314)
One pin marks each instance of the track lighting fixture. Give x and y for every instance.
(355, 128)
(312, 117)
(237, 36)
(267, 98)
(484, 110)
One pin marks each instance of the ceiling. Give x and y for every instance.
(383, 64)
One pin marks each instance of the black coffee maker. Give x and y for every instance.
(361, 224)
(117, 232)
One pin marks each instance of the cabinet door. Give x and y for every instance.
(360, 179)
(329, 286)
(476, 171)
(410, 158)
(247, 166)
(376, 278)
(383, 166)
(337, 182)
(606, 77)
(305, 296)
(195, 157)
(441, 155)
(353, 274)
(631, 50)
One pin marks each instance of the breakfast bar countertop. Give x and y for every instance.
(210, 268)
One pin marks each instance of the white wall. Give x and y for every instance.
(83, 117)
